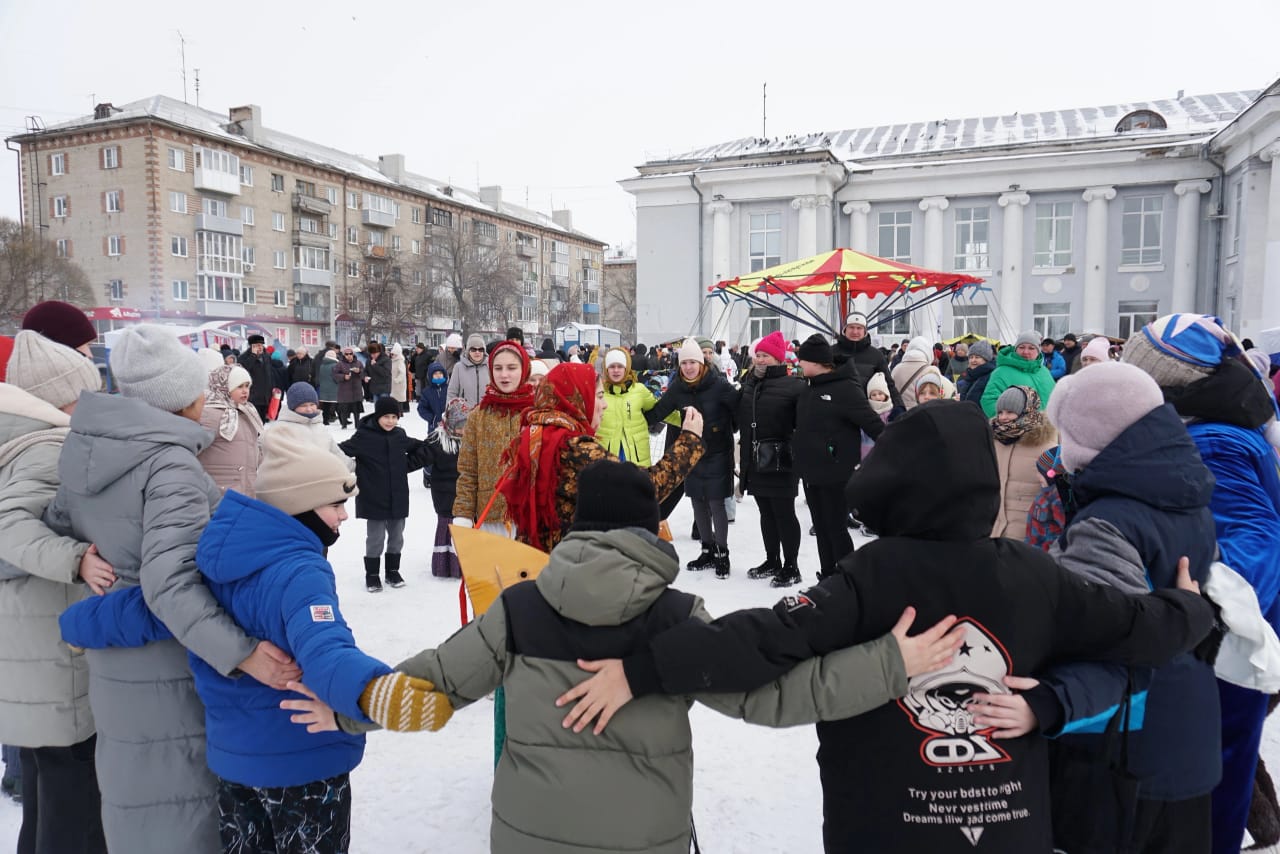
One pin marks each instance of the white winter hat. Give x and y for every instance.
(237, 377)
(921, 345)
(211, 359)
(454, 340)
(50, 371)
(295, 477)
(689, 351)
(615, 357)
(856, 319)
(151, 365)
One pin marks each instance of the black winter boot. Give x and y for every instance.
(393, 571)
(703, 561)
(768, 569)
(694, 535)
(721, 561)
(787, 576)
(372, 581)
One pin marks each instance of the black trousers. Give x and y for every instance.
(329, 412)
(348, 412)
(830, 523)
(61, 807)
(779, 527)
(314, 818)
(1173, 827)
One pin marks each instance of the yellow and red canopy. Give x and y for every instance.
(843, 272)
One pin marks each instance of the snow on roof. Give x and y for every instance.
(1194, 114)
(209, 123)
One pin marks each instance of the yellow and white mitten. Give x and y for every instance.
(405, 704)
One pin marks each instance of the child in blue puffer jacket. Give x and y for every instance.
(264, 561)
(432, 399)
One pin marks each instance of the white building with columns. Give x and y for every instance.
(1095, 219)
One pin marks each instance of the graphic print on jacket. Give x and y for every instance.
(938, 703)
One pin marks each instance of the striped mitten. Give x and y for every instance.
(404, 704)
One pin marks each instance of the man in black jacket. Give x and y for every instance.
(921, 774)
(256, 361)
(854, 355)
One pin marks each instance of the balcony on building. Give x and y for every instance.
(307, 203)
(311, 305)
(220, 308)
(216, 171)
(526, 249)
(308, 276)
(305, 237)
(375, 250)
(311, 313)
(377, 211)
(221, 224)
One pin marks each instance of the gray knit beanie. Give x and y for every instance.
(1028, 338)
(151, 365)
(1012, 399)
(982, 350)
(50, 371)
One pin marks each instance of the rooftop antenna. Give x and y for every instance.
(182, 49)
(764, 109)
(197, 87)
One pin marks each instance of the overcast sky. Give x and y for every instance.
(557, 101)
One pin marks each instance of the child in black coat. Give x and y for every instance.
(384, 456)
(442, 450)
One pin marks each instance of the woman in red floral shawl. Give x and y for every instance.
(557, 440)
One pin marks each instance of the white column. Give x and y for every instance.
(1186, 247)
(807, 230)
(933, 206)
(1011, 267)
(1094, 315)
(825, 226)
(721, 260)
(858, 237)
(1270, 315)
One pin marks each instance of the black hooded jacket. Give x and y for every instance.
(858, 359)
(916, 774)
(831, 417)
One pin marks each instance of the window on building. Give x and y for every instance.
(250, 295)
(381, 204)
(59, 207)
(331, 195)
(763, 321)
(415, 246)
(112, 201)
(353, 200)
(279, 259)
(377, 238)
(1135, 314)
(311, 258)
(218, 252)
(308, 224)
(1141, 120)
(181, 290)
(277, 221)
(353, 302)
(177, 160)
(395, 242)
(895, 235)
(246, 176)
(353, 235)
(281, 299)
(58, 164)
(178, 202)
(213, 207)
(765, 238)
(277, 182)
(178, 246)
(1237, 220)
(247, 215)
(64, 248)
(115, 245)
(415, 215)
(216, 160)
(1053, 234)
(115, 290)
(486, 229)
(250, 256)
(111, 157)
(1140, 230)
(218, 289)
(968, 319)
(1051, 319)
(309, 336)
(973, 248)
(442, 217)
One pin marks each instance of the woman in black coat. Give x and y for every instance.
(973, 382)
(766, 416)
(378, 371)
(831, 417)
(711, 480)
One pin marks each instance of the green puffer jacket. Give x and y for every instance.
(44, 685)
(631, 788)
(1012, 369)
(623, 430)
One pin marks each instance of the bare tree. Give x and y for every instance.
(620, 299)
(393, 294)
(31, 272)
(477, 274)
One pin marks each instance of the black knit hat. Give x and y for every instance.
(387, 406)
(815, 349)
(615, 495)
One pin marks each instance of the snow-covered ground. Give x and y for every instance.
(756, 790)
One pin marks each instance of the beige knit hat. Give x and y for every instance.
(690, 351)
(295, 477)
(50, 371)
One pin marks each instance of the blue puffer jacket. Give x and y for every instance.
(1138, 507)
(433, 397)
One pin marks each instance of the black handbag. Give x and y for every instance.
(1093, 795)
(768, 456)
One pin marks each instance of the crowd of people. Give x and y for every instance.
(1045, 514)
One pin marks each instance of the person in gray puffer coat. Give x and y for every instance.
(44, 693)
(131, 484)
(470, 375)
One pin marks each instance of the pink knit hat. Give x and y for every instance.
(773, 344)
(1098, 348)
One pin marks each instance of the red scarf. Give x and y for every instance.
(508, 402)
(564, 408)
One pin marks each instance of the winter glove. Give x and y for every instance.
(1207, 649)
(402, 703)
